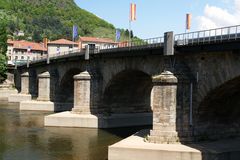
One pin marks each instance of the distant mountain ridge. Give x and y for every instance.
(51, 18)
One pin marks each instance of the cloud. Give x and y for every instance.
(215, 17)
(237, 6)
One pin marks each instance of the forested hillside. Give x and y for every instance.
(53, 19)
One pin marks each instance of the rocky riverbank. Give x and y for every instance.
(7, 88)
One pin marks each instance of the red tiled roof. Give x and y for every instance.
(26, 44)
(62, 41)
(95, 39)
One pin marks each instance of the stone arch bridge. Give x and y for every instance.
(190, 95)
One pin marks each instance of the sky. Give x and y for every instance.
(154, 17)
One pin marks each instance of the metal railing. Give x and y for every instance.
(190, 38)
(208, 36)
(133, 44)
(145, 43)
(65, 53)
(58, 54)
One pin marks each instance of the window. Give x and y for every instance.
(9, 57)
(16, 57)
(58, 49)
(22, 57)
(91, 45)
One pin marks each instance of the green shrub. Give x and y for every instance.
(3, 50)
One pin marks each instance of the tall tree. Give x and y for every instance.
(36, 36)
(3, 50)
(131, 34)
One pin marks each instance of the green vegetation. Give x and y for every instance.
(53, 19)
(3, 50)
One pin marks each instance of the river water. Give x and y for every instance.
(24, 137)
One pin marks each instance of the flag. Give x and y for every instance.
(118, 35)
(132, 12)
(188, 21)
(75, 32)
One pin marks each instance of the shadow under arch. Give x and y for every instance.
(33, 83)
(129, 93)
(64, 95)
(219, 112)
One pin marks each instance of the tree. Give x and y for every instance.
(36, 36)
(127, 33)
(12, 27)
(3, 50)
(131, 34)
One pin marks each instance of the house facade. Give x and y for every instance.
(61, 46)
(100, 43)
(22, 51)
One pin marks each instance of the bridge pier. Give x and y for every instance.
(164, 109)
(81, 115)
(82, 86)
(44, 87)
(163, 137)
(25, 83)
(43, 102)
(24, 94)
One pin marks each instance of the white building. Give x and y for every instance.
(21, 51)
(61, 46)
(101, 43)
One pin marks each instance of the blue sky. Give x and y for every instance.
(154, 17)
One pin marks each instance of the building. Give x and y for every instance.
(61, 46)
(19, 33)
(21, 51)
(101, 43)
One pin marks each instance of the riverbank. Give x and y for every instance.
(6, 90)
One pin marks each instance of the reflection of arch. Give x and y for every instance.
(128, 92)
(219, 111)
(65, 90)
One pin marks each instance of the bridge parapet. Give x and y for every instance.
(211, 36)
(215, 35)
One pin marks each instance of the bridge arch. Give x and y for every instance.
(65, 88)
(129, 91)
(219, 112)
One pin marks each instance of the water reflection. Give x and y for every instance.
(23, 137)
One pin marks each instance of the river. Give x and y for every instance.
(24, 137)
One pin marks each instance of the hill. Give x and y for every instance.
(53, 19)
